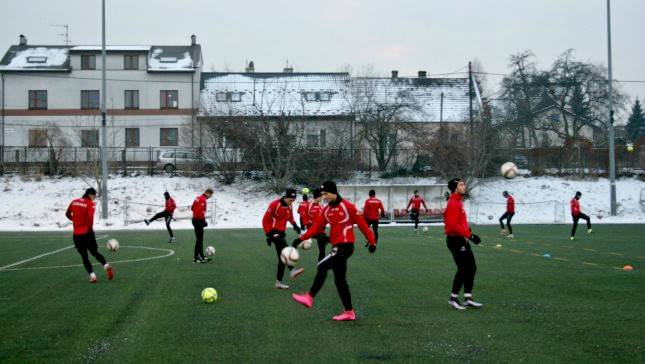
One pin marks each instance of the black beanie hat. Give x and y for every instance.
(317, 192)
(90, 191)
(166, 194)
(290, 193)
(329, 187)
(505, 193)
(305, 197)
(372, 193)
(452, 184)
(578, 193)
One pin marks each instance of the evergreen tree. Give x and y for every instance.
(636, 121)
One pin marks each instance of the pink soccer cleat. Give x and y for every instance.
(110, 273)
(345, 316)
(306, 299)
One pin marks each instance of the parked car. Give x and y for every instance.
(172, 160)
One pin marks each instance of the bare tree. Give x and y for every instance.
(57, 142)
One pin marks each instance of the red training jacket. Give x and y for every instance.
(199, 207)
(314, 211)
(416, 203)
(575, 207)
(510, 204)
(371, 208)
(303, 208)
(454, 218)
(170, 206)
(341, 217)
(276, 216)
(81, 212)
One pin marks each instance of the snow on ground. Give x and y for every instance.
(40, 205)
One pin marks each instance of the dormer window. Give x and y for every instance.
(317, 96)
(168, 59)
(36, 59)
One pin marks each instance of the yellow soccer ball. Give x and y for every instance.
(209, 295)
(305, 190)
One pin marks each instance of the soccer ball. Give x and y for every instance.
(289, 255)
(306, 244)
(305, 190)
(209, 295)
(210, 251)
(112, 245)
(425, 228)
(509, 170)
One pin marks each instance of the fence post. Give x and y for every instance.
(125, 212)
(1, 159)
(150, 162)
(75, 160)
(124, 162)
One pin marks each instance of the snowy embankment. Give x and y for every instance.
(40, 205)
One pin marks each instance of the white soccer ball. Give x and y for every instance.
(112, 245)
(289, 255)
(210, 251)
(425, 228)
(305, 245)
(509, 170)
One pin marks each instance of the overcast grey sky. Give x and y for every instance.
(434, 35)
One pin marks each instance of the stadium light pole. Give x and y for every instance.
(104, 169)
(612, 157)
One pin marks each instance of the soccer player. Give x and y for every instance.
(372, 209)
(169, 209)
(274, 224)
(81, 213)
(508, 215)
(577, 215)
(303, 207)
(199, 223)
(315, 210)
(341, 215)
(458, 238)
(416, 203)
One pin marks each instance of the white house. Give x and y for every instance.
(51, 94)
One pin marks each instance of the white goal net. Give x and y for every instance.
(542, 212)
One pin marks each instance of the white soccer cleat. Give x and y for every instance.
(472, 304)
(172, 240)
(590, 231)
(454, 303)
(510, 236)
(280, 285)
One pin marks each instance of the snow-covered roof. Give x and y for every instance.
(172, 59)
(36, 58)
(110, 48)
(274, 94)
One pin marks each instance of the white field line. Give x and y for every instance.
(43, 255)
(169, 252)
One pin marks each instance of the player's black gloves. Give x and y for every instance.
(475, 239)
(297, 229)
(270, 235)
(372, 248)
(296, 242)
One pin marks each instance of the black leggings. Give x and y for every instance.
(279, 243)
(199, 226)
(414, 216)
(465, 260)
(336, 261)
(167, 217)
(322, 241)
(374, 225)
(85, 243)
(508, 216)
(575, 222)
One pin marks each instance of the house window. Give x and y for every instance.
(131, 99)
(89, 138)
(310, 96)
(169, 99)
(131, 137)
(89, 99)
(36, 59)
(235, 96)
(325, 96)
(317, 96)
(130, 62)
(312, 140)
(228, 97)
(37, 99)
(168, 137)
(37, 137)
(88, 62)
(221, 96)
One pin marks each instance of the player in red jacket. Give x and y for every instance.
(508, 215)
(416, 201)
(81, 213)
(166, 214)
(372, 210)
(274, 224)
(199, 223)
(458, 237)
(303, 207)
(576, 214)
(341, 215)
(315, 210)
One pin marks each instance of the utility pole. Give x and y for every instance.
(64, 34)
(104, 169)
(470, 95)
(612, 157)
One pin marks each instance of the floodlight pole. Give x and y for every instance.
(612, 157)
(104, 169)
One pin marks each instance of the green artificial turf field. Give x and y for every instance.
(577, 306)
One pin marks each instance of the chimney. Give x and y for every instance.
(193, 39)
(23, 40)
(395, 74)
(250, 68)
(422, 74)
